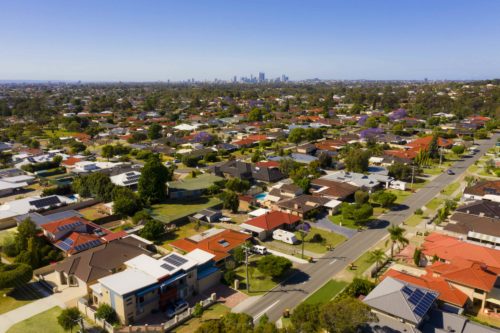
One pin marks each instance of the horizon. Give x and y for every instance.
(162, 41)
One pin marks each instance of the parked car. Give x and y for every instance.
(450, 172)
(259, 249)
(177, 308)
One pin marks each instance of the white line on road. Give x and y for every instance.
(258, 315)
(333, 262)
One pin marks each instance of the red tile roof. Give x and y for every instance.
(450, 248)
(468, 273)
(424, 142)
(53, 227)
(71, 161)
(447, 293)
(273, 220)
(268, 164)
(213, 244)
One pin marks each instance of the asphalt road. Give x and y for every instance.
(312, 276)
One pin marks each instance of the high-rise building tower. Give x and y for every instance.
(262, 76)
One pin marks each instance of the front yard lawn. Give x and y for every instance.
(173, 210)
(326, 293)
(330, 238)
(401, 195)
(414, 220)
(339, 220)
(259, 283)
(42, 322)
(214, 312)
(450, 189)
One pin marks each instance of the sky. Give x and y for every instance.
(160, 40)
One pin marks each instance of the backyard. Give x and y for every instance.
(173, 210)
(183, 231)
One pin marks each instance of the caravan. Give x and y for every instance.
(284, 236)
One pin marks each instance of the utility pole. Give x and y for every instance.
(440, 156)
(246, 248)
(412, 175)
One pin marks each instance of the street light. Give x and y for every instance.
(303, 229)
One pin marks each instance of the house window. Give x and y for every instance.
(141, 299)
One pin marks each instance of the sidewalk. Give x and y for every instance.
(289, 257)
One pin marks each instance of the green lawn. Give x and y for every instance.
(433, 171)
(330, 238)
(175, 209)
(11, 301)
(214, 312)
(339, 220)
(450, 189)
(434, 203)
(401, 195)
(59, 133)
(259, 283)
(324, 294)
(42, 322)
(414, 220)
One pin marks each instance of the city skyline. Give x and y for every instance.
(99, 41)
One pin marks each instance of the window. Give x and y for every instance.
(141, 299)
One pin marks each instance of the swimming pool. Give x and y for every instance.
(261, 196)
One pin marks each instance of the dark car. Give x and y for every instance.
(450, 172)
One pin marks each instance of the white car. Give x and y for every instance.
(259, 249)
(178, 307)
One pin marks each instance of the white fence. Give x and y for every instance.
(167, 326)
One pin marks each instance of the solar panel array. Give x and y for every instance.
(88, 245)
(167, 267)
(44, 202)
(65, 244)
(420, 301)
(70, 226)
(131, 178)
(175, 260)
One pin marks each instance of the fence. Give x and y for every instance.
(167, 326)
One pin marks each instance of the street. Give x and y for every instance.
(312, 276)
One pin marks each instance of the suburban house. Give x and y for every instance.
(407, 302)
(370, 182)
(40, 219)
(191, 187)
(149, 285)
(332, 189)
(14, 208)
(208, 215)
(451, 298)
(473, 269)
(219, 242)
(85, 268)
(8, 187)
(487, 190)
(76, 234)
(263, 226)
(126, 179)
(247, 171)
(303, 205)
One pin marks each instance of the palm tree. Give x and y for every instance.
(378, 257)
(396, 236)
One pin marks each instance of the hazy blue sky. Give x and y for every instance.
(144, 40)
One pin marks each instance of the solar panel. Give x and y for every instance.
(175, 260)
(407, 291)
(44, 202)
(416, 297)
(167, 267)
(64, 246)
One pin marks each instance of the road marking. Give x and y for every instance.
(333, 262)
(258, 315)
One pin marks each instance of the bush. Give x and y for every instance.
(14, 274)
(317, 238)
(358, 287)
(229, 277)
(106, 312)
(361, 197)
(198, 310)
(153, 230)
(419, 211)
(274, 266)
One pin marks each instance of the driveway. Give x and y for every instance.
(61, 299)
(324, 223)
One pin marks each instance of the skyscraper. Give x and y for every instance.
(262, 76)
